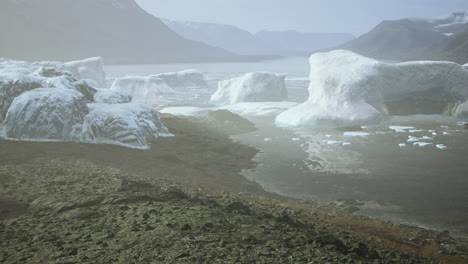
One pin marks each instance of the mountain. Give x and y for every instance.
(241, 41)
(294, 42)
(228, 37)
(409, 39)
(454, 48)
(118, 30)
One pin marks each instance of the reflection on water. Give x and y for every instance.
(380, 166)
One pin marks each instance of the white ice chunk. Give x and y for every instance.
(402, 145)
(333, 142)
(183, 79)
(295, 139)
(251, 87)
(91, 70)
(142, 86)
(356, 134)
(268, 139)
(422, 144)
(401, 129)
(446, 133)
(441, 146)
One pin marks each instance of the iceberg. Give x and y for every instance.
(348, 89)
(142, 86)
(45, 113)
(461, 111)
(251, 87)
(91, 70)
(130, 125)
(183, 79)
(108, 96)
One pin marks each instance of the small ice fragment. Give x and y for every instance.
(328, 136)
(346, 144)
(431, 131)
(434, 133)
(268, 139)
(446, 133)
(441, 146)
(422, 144)
(402, 145)
(333, 142)
(356, 134)
(445, 127)
(412, 139)
(401, 129)
(296, 139)
(416, 131)
(426, 138)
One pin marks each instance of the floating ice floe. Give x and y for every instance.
(402, 145)
(251, 87)
(434, 134)
(268, 139)
(446, 133)
(183, 79)
(349, 89)
(422, 144)
(415, 139)
(416, 131)
(336, 143)
(356, 134)
(295, 139)
(401, 129)
(142, 86)
(441, 146)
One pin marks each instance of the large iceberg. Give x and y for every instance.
(251, 87)
(43, 101)
(183, 79)
(121, 124)
(45, 113)
(91, 70)
(348, 89)
(142, 86)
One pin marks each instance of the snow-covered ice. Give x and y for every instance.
(251, 87)
(142, 86)
(45, 113)
(349, 89)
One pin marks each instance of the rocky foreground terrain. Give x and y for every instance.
(182, 201)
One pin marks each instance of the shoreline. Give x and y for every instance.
(61, 183)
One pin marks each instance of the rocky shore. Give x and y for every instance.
(182, 201)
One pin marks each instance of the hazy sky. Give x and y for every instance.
(353, 16)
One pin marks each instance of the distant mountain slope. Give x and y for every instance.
(290, 41)
(241, 41)
(441, 38)
(118, 30)
(218, 35)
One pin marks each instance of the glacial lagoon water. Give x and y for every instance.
(409, 169)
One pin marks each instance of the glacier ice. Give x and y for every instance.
(183, 79)
(348, 89)
(91, 70)
(142, 86)
(461, 110)
(44, 101)
(129, 124)
(251, 87)
(45, 113)
(108, 96)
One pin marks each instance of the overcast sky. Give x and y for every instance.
(353, 16)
